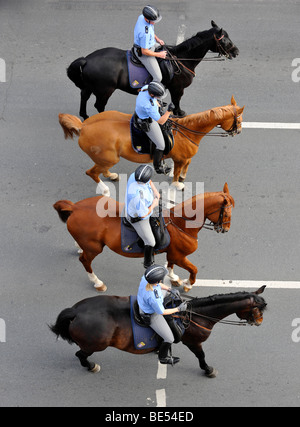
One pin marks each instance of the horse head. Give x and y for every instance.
(253, 313)
(224, 46)
(221, 216)
(229, 118)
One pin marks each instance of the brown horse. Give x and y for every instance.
(99, 322)
(106, 137)
(96, 222)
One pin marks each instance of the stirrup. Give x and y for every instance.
(170, 360)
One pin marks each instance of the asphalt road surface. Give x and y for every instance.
(39, 269)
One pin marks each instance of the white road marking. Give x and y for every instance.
(161, 371)
(161, 398)
(248, 284)
(270, 125)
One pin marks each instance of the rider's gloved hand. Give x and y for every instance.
(182, 307)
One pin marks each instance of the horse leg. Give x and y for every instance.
(176, 97)
(174, 279)
(112, 176)
(82, 356)
(184, 171)
(86, 260)
(94, 173)
(177, 169)
(102, 98)
(84, 97)
(192, 269)
(210, 372)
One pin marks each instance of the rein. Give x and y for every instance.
(178, 127)
(211, 226)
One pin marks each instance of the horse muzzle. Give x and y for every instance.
(257, 317)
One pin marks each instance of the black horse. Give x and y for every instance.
(98, 322)
(105, 70)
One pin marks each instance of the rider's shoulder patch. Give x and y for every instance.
(151, 102)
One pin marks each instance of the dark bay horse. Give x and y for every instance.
(105, 70)
(96, 222)
(106, 137)
(104, 321)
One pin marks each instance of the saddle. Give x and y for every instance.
(142, 144)
(139, 76)
(131, 242)
(144, 336)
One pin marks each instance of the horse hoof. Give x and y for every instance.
(178, 185)
(100, 288)
(114, 177)
(212, 374)
(186, 286)
(179, 114)
(176, 283)
(95, 369)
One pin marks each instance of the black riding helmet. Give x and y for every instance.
(156, 89)
(155, 273)
(143, 173)
(152, 13)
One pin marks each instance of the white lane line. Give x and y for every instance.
(248, 284)
(270, 125)
(161, 398)
(180, 34)
(161, 371)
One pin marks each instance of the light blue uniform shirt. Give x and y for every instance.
(146, 106)
(138, 198)
(150, 301)
(144, 33)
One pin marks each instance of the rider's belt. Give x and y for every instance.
(132, 219)
(142, 124)
(138, 49)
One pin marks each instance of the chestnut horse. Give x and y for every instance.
(96, 222)
(106, 137)
(102, 321)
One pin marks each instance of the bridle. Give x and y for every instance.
(221, 49)
(222, 52)
(218, 226)
(178, 127)
(255, 318)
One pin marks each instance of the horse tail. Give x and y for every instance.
(74, 72)
(61, 327)
(71, 125)
(64, 209)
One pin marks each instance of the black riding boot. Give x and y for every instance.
(148, 256)
(157, 158)
(163, 355)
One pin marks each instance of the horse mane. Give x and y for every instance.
(189, 204)
(193, 42)
(225, 299)
(204, 117)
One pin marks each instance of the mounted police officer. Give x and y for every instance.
(145, 41)
(148, 119)
(141, 199)
(150, 299)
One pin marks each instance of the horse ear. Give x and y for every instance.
(260, 290)
(225, 189)
(213, 24)
(241, 110)
(233, 101)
